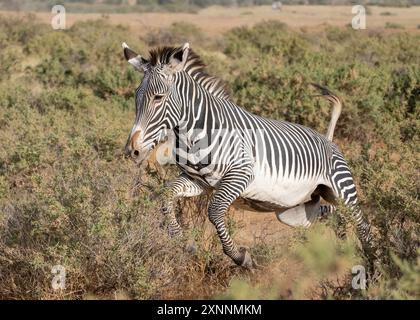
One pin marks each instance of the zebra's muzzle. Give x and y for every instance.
(133, 149)
(138, 156)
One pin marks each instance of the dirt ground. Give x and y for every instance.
(215, 20)
(265, 227)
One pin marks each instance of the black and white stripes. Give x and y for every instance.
(219, 146)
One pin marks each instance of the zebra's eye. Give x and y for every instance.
(158, 98)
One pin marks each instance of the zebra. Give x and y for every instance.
(164, 157)
(271, 165)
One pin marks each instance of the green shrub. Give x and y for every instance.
(393, 25)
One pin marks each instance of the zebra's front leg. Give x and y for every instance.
(183, 186)
(230, 188)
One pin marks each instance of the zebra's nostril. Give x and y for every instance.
(136, 153)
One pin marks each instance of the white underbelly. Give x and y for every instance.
(282, 191)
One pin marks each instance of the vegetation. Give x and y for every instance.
(68, 197)
(390, 25)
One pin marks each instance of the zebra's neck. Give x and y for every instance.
(201, 108)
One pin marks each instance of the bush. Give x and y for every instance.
(393, 25)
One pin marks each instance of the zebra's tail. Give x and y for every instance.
(337, 107)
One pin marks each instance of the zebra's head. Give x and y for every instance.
(158, 108)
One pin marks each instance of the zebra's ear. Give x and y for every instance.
(134, 59)
(178, 59)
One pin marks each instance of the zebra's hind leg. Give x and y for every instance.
(305, 214)
(364, 234)
(183, 186)
(344, 188)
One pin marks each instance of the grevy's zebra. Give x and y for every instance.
(272, 165)
(305, 218)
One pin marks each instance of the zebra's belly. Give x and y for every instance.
(258, 206)
(266, 192)
(280, 191)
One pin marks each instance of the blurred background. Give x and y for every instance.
(69, 198)
(128, 6)
(220, 15)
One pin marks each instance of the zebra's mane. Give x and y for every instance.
(194, 66)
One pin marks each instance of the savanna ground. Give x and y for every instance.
(68, 196)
